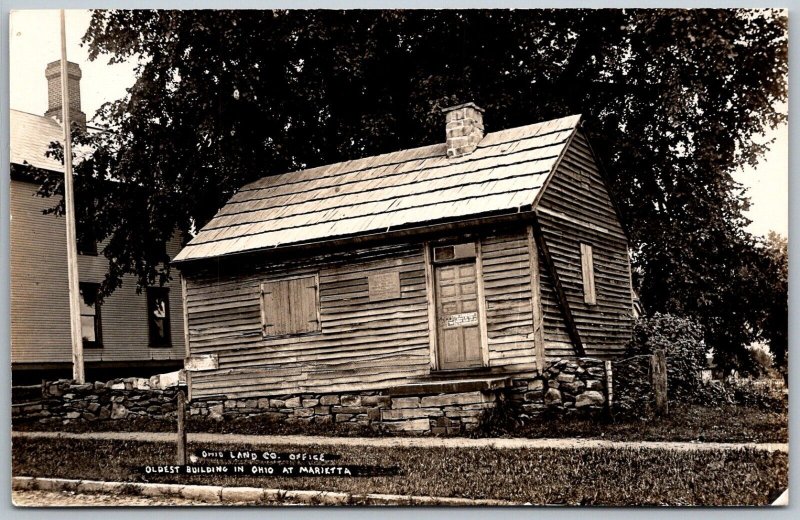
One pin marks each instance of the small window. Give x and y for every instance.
(158, 316)
(587, 268)
(290, 306)
(454, 252)
(90, 315)
(86, 240)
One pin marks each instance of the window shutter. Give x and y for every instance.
(587, 270)
(271, 309)
(290, 306)
(303, 302)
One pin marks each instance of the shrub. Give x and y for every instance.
(501, 419)
(681, 339)
(758, 393)
(761, 362)
(633, 397)
(744, 392)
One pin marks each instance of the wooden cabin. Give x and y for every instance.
(481, 257)
(129, 334)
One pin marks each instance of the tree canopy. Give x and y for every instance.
(772, 322)
(672, 100)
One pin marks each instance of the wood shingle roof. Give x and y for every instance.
(30, 137)
(385, 192)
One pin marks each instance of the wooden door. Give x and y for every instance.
(458, 336)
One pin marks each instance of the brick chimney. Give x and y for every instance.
(53, 75)
(464, 125)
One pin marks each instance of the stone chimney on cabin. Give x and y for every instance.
(53, 75)
(464, 129)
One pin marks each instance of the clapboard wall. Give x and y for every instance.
(40, 327)
(576, 208)
(507, 289)
(361, 345)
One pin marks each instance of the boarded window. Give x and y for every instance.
(587, 269)
(90, 315)
(290, 306)
(158, 316)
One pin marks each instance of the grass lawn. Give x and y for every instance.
(543, 476)
(728, 423)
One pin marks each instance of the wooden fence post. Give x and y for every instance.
(181, 441)
(609, 385)
(658, 374)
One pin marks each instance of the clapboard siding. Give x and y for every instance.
(40, 326)
(557, 343)
(507, 290)
(361, 343)
(575, 208)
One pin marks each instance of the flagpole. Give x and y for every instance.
(69, 205)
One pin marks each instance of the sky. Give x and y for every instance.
(768, 186)
(35, 41)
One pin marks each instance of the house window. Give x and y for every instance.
(162, 250)
(86, 241)
(587, 270)
(290, 306)
(158, 316)
(90, 315)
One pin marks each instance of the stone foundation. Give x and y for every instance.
(568, 387)
(425, 413)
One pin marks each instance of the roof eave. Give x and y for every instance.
(521, 213)
(561, 156)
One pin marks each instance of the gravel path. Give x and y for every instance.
(423, 442)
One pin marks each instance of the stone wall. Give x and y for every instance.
(568, 387)
(65, 401)
(436, 413)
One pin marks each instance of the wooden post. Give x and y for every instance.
(536, 302)
(609, 385)
(181, 441)
(429, 296)
(481, 303)
(184, 304)
(69, 210)
(658, 374)
(187, 347)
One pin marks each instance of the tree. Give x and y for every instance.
(762, 361)
(773, 323)
(671, 98)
